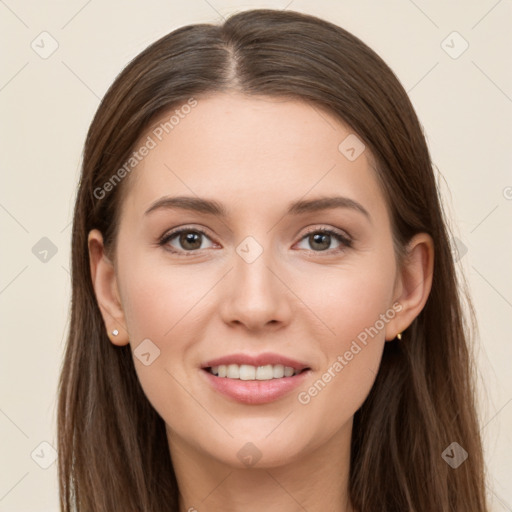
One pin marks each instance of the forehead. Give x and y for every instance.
(252, 152)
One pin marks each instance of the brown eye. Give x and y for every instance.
(184, 240)
(190, 240)
(320, 240)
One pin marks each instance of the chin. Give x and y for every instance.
(257, 454)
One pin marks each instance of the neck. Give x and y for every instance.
(318, 480)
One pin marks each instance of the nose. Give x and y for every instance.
(256, 295)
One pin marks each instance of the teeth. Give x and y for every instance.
(288, 372)
(248, 372)
(278, 371)
(233, 371)
(265, 372)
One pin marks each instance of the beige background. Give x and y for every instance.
(464, 104)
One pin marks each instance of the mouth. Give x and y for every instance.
(266, 366)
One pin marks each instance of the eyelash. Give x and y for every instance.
(344, 240)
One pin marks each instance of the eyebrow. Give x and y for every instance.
(212, 207)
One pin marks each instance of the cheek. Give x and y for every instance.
(159, 300)
(163, 304)
(349, 298)
(354, 303)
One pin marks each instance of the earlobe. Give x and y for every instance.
(415, 283)
(105, 286)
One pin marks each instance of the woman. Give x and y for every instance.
(265, 312)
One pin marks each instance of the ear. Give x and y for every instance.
(104, 282)
(413, 284)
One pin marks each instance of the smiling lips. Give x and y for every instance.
(255, 379)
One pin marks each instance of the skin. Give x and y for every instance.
(255, 155)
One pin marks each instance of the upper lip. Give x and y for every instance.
(256, 360)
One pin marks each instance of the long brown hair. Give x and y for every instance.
(112, 445)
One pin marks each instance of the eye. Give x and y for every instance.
(320, 239)
(189, 239)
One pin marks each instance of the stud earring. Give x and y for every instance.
(399, 335)
(115, 332)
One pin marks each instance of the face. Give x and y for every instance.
(265, 283)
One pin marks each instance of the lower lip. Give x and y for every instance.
(255, 392)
